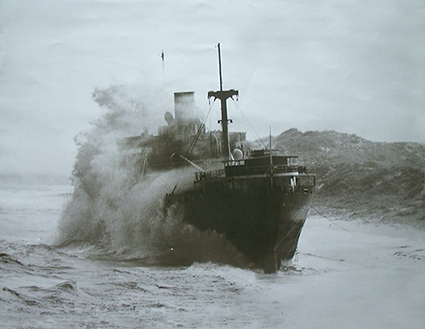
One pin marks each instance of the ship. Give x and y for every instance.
(257, 199)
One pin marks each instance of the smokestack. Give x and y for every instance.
(184, 106)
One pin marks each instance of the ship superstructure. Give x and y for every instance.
(257, 200)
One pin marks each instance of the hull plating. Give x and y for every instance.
(261, 220)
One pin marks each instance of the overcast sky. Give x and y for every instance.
(354, 66)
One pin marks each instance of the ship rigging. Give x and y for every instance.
(257, 200)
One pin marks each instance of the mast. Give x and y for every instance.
(219, 67)
(223, 95)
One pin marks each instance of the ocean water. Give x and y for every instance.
(344, 275)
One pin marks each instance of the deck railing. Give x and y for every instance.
(240, 170)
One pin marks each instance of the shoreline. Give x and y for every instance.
(367, 216)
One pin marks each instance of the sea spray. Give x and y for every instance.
(118, 208)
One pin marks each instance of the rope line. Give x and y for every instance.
(198, 133)
(250, 125)
(330, 221)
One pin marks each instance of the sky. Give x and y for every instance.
(354, 66)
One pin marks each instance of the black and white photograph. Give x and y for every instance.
(212, 164)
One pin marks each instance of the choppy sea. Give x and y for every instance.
(344, 275)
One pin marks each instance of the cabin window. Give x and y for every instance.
(292, 161)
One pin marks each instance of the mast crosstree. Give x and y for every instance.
(223, 95)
